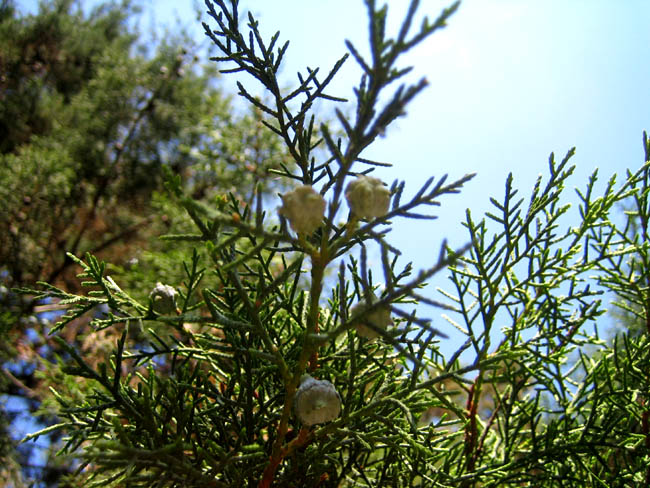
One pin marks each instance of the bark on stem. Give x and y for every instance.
(319, 263)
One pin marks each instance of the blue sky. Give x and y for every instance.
(510, 82)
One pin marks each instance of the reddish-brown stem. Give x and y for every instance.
(319, 262)
(303, 438)
(269, 473)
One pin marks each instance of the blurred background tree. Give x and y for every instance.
(90, 112)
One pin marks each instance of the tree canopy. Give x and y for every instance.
(91, 111)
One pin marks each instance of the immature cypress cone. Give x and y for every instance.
(379, 318)
(317, 401)
(367, 197)
(163, 299)
(304, 207)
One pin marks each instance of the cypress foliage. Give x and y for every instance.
(281, 357)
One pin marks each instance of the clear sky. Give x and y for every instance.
(510, 82)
